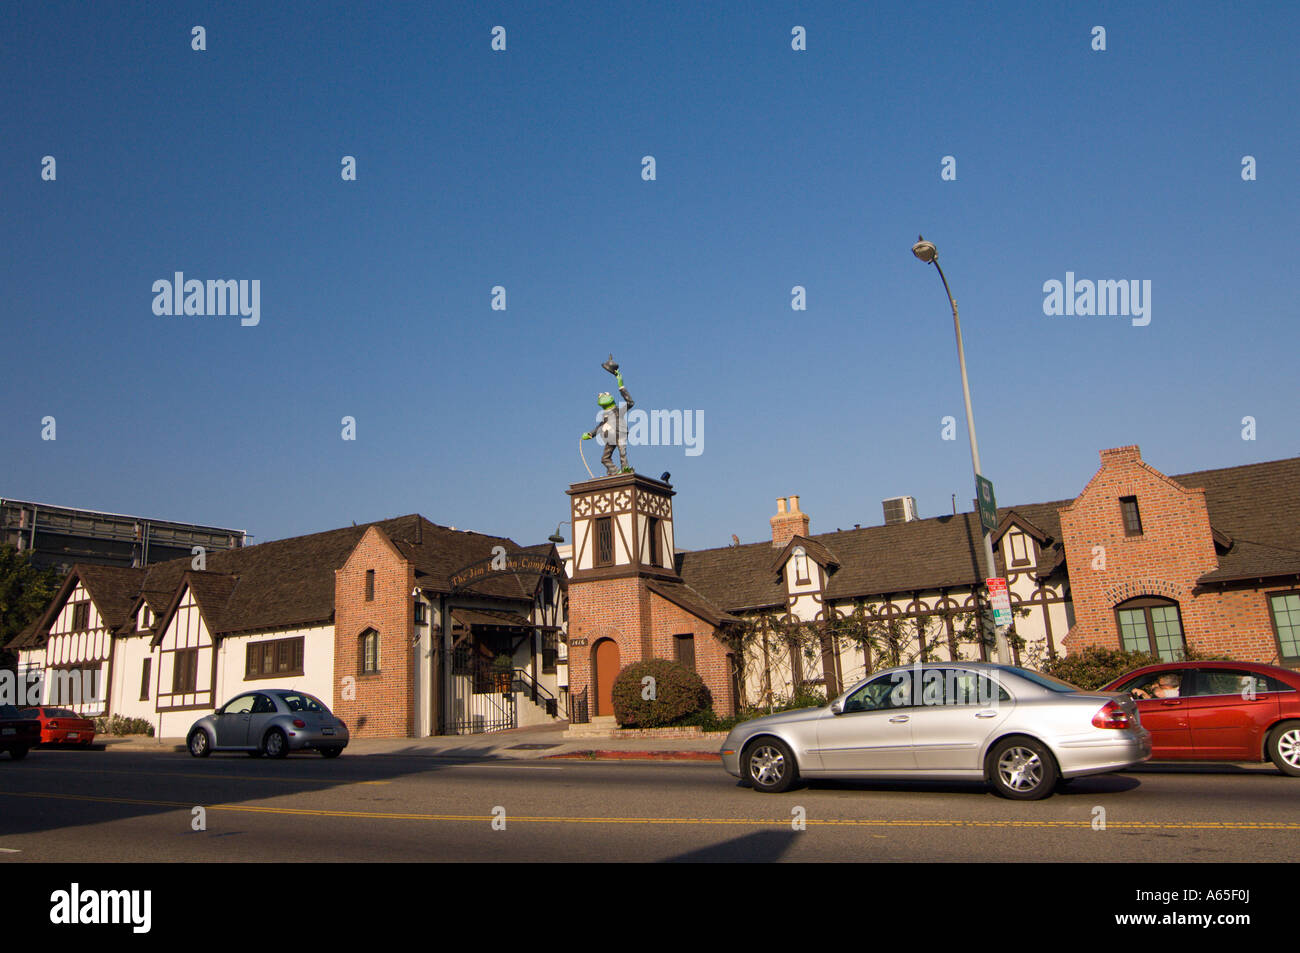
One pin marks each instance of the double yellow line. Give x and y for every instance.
(1080, 824)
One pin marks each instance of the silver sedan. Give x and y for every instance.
(269, 722)
(1020, 731)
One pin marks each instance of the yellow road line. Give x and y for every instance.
(1080, 824)
(214, 777)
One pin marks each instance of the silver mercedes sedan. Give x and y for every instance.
(1020, 731)
(269, 722)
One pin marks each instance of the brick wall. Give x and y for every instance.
(1174, 549)
(643, 624)
(384, 702)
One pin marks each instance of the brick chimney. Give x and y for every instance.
(787, 525)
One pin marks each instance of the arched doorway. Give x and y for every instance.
(605, 665)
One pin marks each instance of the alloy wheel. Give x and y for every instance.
(1020, 769)
(1288, 746)
(767, 765)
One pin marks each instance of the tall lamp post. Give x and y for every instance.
(927, 253)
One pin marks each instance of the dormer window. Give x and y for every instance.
(146, 617)
(1132, 518)
(1018, 545)
(800, 565)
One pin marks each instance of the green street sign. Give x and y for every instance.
(988, 504)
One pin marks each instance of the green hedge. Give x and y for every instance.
(678, 693)
(117, 725)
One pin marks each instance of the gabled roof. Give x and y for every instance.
(687, 598)
(816, 551)
(111, 588)
(1255, 509)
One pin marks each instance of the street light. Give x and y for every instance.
(926, 252)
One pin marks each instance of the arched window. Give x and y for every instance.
(1149, 624)
(369, 652)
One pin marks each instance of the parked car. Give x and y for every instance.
(269, 722)
(62, 726)
(1219, 711)
(1019, 731)
(18, 733)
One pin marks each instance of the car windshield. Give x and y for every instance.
(59, 713)
(297, 702)
(1046, 681)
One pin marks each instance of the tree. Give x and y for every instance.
(25, 591)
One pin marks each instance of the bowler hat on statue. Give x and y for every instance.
(610, 365)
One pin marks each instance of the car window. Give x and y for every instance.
(1155, 685)
(960, 686)
(262, 705)
(1228, 681)
(887, 691)
(1044, 681)
(298, 702)
(240, 706)
(60, 713)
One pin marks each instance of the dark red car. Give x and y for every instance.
(60, 726)
(19, 733)
(1218, 711)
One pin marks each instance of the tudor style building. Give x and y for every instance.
(403, 627)
(1138, 560)
(409, 628)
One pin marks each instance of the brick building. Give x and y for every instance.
(1138, 559)
(402, 626)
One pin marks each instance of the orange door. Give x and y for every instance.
(606, 662)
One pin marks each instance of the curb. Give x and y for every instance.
(636, 756)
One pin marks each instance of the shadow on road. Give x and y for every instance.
(760, 847)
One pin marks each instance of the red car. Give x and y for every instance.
(1218, 711)
(60, 726)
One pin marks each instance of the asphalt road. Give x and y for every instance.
(98, 806)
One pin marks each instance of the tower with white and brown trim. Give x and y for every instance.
(626, 600)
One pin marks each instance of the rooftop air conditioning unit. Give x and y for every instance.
(900, 509)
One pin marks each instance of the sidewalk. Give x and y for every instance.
(524, 744)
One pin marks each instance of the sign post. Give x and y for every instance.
(1000, 599)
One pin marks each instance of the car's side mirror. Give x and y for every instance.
(837, 707)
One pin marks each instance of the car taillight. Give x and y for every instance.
(54, 724)
(1112, 715)
(299, 723)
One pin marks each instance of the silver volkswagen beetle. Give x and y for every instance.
(1018, 730)
(269, 722)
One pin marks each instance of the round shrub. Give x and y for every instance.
(678, 692)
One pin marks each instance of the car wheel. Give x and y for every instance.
(18, 753)
(331, 752)
(1284, 747)
(1021, 769)
(769, 766)
(275, 744)
(199, 743)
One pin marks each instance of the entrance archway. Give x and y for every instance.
(605, 664)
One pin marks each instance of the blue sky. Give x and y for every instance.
(522, 168)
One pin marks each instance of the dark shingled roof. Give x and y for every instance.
(290, 582)
(683, 595)
(874, 560)
(112, 588)
(1257, 506)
